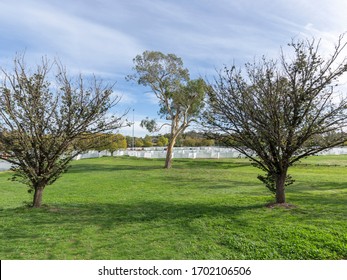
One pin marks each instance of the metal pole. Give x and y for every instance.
(133, 144)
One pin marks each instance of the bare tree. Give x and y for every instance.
(42, 121)
(180, 99)
(278, 112)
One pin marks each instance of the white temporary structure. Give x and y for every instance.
(187, 152)
(183, 152)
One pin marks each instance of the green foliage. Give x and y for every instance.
(116, 142)
(162, 141)
(180, 98)
(147, 141)
(89, 141)
(195, 142)
(120, 141)
(150, 125)
(139, 142)
(164, 74)
(269, 181)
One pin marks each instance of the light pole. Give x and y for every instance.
(133, 144)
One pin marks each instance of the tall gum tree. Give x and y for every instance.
(180, 98)
(43, 121)
(278, 112)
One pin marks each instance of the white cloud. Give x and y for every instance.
(103, 36)
(126, 98)
(151, 98)
(135, 130)
(80, 41)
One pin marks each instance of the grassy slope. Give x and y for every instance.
(126, 208)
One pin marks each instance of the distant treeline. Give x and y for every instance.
(188, 139)
(113, 142)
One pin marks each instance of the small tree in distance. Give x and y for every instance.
(277, 113)
(115, 142)
(147, 141)
(180, 98)
(162, 141)
(42, 123)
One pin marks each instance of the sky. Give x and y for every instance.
(102, 37)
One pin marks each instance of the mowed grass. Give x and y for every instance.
(128, 208)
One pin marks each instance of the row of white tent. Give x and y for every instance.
(186, 152)
(177, 153)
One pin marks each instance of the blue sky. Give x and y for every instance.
(103, 36)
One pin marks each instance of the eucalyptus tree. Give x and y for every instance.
(180, 98)
(44, 114)
(277, 112)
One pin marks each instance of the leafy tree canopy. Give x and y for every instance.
(180, 98)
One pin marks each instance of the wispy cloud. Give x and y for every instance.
(103, 36)
(83, 43)
(126, 98)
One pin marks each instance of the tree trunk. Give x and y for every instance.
(280, 189)
(168, 161)
(38, 197)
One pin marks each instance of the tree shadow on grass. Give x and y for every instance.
(154, 164)
(321, 186)
(106, 216)
(209, 163)
(88, 167)
(230, 184)
(318, 200)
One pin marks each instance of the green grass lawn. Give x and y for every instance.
(128, 208)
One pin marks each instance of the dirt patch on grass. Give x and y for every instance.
(280, 205)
